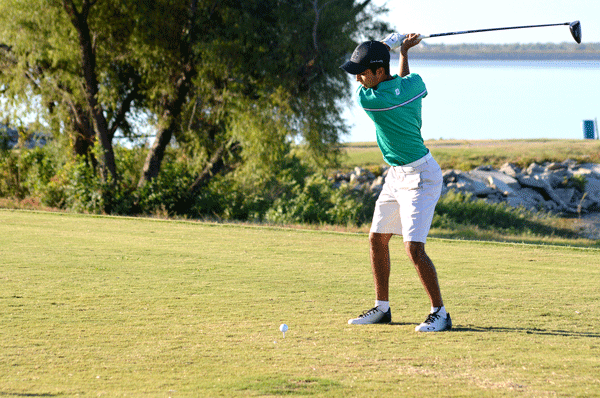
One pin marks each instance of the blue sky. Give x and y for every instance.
(439, 16)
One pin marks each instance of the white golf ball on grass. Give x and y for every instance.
(283, 328)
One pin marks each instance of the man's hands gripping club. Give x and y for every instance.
(405, 42)
(395, 40)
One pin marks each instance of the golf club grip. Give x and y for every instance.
(491, 29)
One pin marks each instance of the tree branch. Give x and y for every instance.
(71, 9)
(125, 105)
(215, 165)
(173, 106)
(79, 20)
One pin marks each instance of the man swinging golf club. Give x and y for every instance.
(414, 181)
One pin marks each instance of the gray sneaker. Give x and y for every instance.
(435, 323)
(374, 315)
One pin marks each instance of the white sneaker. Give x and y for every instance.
(374, 315)
(435, 323)
(394, 40)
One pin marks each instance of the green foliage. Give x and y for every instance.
(316, 201)
(458, 209)
(39, 165)
(291, 192)
(28, 172)
(168, 193)
(10, 184)
(258, 73)
(84, 191)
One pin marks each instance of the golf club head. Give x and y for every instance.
(575, 28)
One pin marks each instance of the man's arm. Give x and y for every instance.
(410, 41)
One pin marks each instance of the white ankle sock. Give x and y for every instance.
(441, 311)
(383, 305)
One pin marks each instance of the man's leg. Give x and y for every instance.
(438, 319)
(426, 270)
(380, 263)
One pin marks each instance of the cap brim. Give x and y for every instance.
(353, 68)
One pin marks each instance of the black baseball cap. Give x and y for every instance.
(367, 55)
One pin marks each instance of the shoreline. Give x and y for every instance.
(501, 56)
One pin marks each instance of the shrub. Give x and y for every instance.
(317, 201)
(84, 192)
(167, 193)
(10, 178)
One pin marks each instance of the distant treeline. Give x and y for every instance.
(537, 51)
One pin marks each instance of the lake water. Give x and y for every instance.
(498, 100)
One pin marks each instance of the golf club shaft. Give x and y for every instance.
(492, 29)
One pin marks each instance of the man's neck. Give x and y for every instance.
(385, 79)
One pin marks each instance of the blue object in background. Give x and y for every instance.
(589, 129)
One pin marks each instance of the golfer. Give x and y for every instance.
(414, 181)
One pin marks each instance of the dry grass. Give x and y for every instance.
(466, 155)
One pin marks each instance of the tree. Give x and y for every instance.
(232, 82)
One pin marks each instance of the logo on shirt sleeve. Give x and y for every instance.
(397, 91)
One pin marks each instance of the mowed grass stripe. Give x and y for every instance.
(124, 306)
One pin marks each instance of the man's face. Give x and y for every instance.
(368, 79)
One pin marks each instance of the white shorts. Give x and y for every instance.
(407, 202)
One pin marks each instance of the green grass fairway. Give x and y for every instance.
(103, 306)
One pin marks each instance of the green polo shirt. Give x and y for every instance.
(395, 108)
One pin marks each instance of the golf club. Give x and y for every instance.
(574, 27)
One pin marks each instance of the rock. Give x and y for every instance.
(500, 186)
(492, 175)
(468, 184)
(542, 185)
(556, 166)
(539, 187)
(377, 184)
(510, 169)
(533, 182)
(361, 175)
(552, 206)
(565, 194)
(551, 178)
(569, 163)
(592, 187)
(517, 201)
(587, 204)
(339, 177)
(588, 170)
(527, 198)
(534, 168)
(530, 195)
(450, 176)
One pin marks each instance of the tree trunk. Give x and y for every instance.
(155, 156)
(173, 106)
(83, 133)
(215, 165)
(173, 110)
(88, 59)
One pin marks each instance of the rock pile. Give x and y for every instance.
(565, 187)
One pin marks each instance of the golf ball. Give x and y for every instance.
(283, 327)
